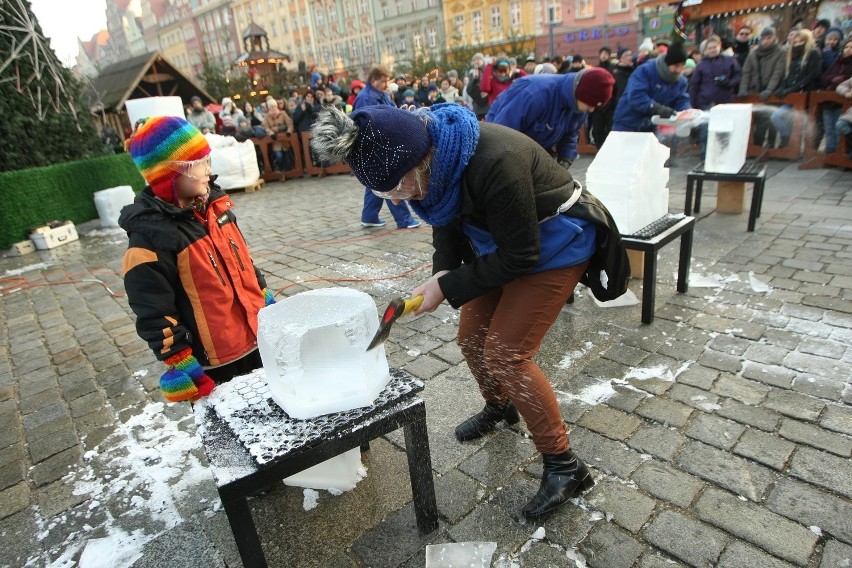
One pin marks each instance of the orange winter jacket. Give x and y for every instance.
(191, 282)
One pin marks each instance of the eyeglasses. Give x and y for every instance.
(744, 33)
(195, 169)
(400, 192)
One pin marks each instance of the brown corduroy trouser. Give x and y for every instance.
(501, 331)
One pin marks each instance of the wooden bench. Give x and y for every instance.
(649, 240)
(252, 443)
(751, 172)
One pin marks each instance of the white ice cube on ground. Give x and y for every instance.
(340, 473)
(460, 554)
(314, 351)
(109, 203)
(727, 138)
(629, 176)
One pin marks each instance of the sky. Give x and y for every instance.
(63, 22)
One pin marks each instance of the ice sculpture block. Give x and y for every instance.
(629, 176)
(727, 138)
(340, 473)
(314, 350)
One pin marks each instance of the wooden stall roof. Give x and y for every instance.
(148, 75)
(714, 7)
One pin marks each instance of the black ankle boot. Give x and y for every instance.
(482, 423)
(564, 476)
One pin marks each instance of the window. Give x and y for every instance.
(398, 7)
(585, 8)
(432, 36)
(353, 48)
(515, 14)
(338, 51)
(347, 9)
(389, 46)
(619, 5)
(320, 16)
(459, 24)
(476, 20)
(269, 4)
(368, 46)
(284, 26)
(554, 13)
(417, 42)
(496, 18)
(403, 45)
(362, 6)
(259, 10)
(304, 20)
(385, 10)
(272, 29)
(326, 55)
(332, 14)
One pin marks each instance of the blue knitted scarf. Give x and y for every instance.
(455, 133)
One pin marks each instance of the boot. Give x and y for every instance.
(564, 476)
(484, 422)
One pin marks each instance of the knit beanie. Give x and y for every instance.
(767, 32)
(391, 142)
(594, 86)
(676, 54)
(162, 139)
(836, 32)
(646, 44)
(408, 93)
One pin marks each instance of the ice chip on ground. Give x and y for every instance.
(596, 516)
(702, 281)
(340, 473)
(758, 285)
(626, 299)
(460, 555)
(311, 499)
(539, 534)
(314, 350)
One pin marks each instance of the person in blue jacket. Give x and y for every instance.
(657, 87)
(551, 109)
(375, 92)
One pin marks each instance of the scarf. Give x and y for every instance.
(455, 132)
(664, 72)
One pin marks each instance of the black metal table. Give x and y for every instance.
(751, 172)
(650, 239)
(251, 443)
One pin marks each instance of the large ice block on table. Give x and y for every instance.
(314, 350)
(727, 138)
(340, 473)
(629, 176)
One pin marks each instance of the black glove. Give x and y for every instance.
(721, 80)
(663, 111)
(565, 162)
(765, 94)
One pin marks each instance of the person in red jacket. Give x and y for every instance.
(187, 271)
(497, 77)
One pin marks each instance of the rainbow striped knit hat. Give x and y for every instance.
(165, 138)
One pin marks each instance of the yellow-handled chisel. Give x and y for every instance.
(397, 308)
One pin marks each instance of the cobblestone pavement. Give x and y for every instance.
(720, 435)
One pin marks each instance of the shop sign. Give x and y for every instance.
(596, 33)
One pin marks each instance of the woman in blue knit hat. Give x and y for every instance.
(513, 234)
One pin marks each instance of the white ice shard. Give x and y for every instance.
(314, 350)
(340, 473)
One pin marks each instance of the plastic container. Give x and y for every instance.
(314, 350)
(54, 235)
(109, 202)
(629, 176)
(153, 106)
(727, 138)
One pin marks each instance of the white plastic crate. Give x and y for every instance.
(48, 237)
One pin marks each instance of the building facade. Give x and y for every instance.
(493, 26)
(585, 26)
